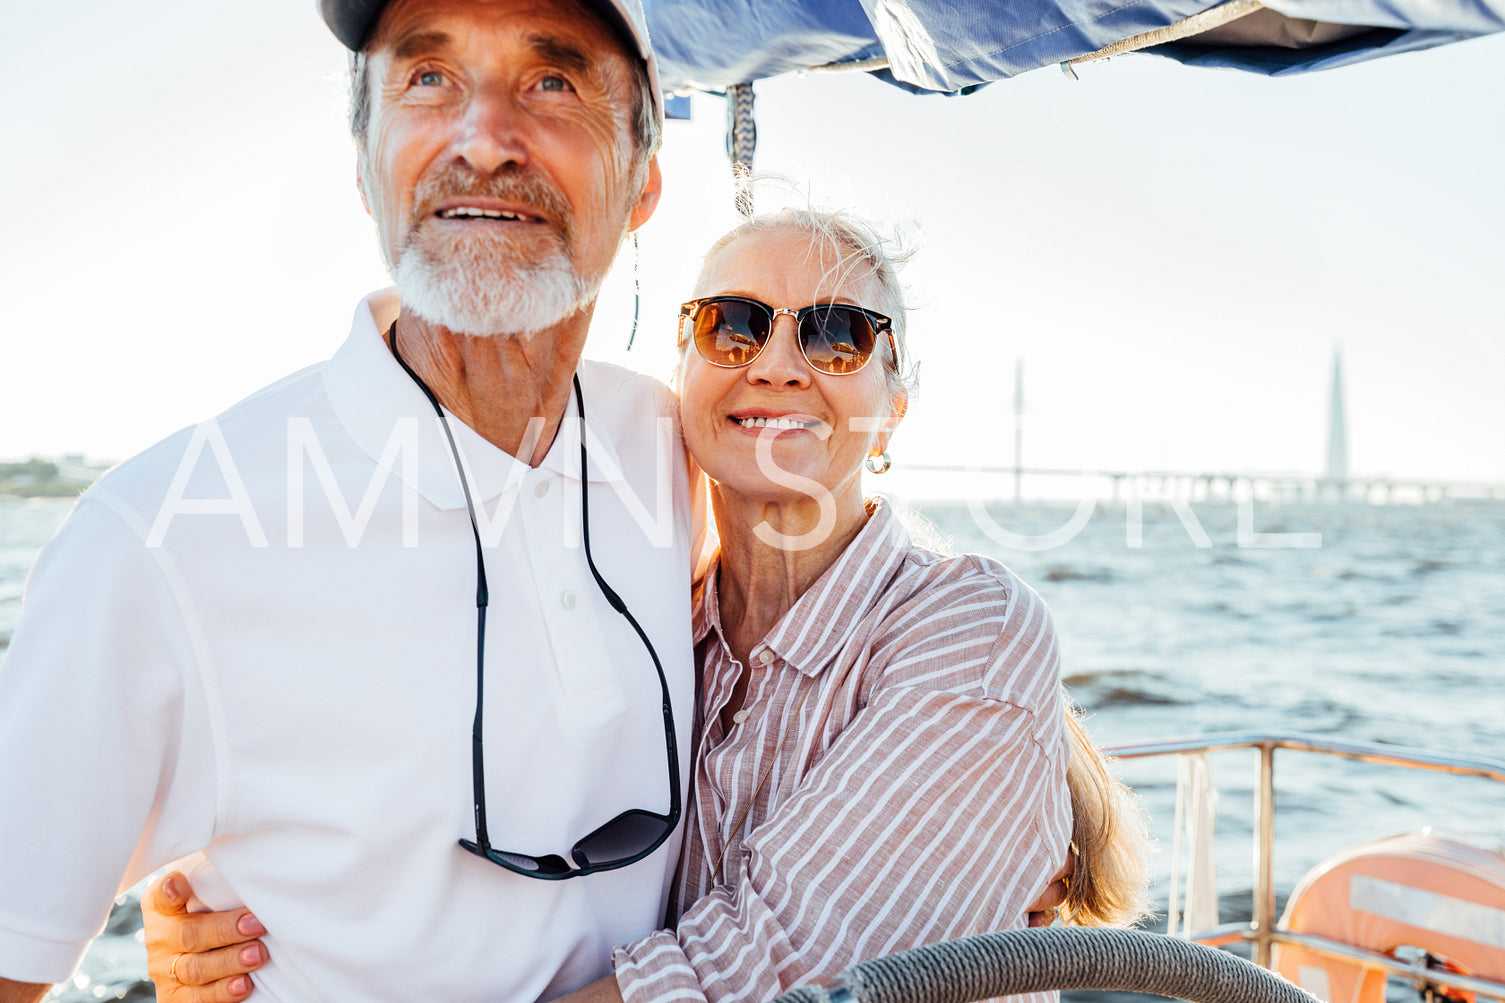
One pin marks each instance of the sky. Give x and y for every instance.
(1175, 254)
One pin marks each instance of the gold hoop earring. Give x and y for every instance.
(878, 463)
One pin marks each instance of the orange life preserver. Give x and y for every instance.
(1418, 890)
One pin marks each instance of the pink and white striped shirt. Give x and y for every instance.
(907, 713)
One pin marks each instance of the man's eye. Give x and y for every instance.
(553, 82)
(430, 78)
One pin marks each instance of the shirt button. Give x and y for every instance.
(567, 599)
(540, 489)
(740, 716)
(766, 657)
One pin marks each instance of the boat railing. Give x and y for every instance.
(1261, 931)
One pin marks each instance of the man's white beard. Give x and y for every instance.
(483, 287)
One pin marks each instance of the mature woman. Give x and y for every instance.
(881, 748)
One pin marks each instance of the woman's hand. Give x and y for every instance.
(1042, 911)
(201, 957)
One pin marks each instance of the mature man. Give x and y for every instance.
(257, 643)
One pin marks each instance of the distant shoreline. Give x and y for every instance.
(69, 489)
(70, 475)
(41, 477)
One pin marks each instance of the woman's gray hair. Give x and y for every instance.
(862, 252)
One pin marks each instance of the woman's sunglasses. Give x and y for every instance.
(836, 339)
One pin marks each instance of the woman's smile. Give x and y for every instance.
(760, 421)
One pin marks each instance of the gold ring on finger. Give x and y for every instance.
(172, 972)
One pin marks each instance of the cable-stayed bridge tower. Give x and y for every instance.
(1018, 428)
(1337, 428)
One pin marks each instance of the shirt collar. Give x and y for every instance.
(810, 635)
(705, 611)
(372, 397)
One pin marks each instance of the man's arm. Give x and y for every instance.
(21, 992)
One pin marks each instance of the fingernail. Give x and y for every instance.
(170, 889)
(250, 954)
(240, 985)
(250, 926)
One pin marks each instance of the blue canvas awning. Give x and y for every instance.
(951, 45)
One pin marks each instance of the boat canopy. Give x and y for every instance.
(954, 46)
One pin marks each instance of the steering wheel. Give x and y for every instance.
(1026, 961)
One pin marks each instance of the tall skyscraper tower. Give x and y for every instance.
(1337, 431)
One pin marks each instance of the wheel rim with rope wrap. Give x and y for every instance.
(1013, 962)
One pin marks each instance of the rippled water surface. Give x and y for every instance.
(1392, 632)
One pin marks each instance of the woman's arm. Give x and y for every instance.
(936, 813)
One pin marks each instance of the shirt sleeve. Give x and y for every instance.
(94, 753)
(941, 810)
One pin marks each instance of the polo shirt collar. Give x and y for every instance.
(370, 394)
(821, 622)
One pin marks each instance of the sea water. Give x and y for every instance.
(1178, 621)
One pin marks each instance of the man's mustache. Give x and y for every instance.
(514, 184)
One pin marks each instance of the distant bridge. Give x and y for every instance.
(1227, 486)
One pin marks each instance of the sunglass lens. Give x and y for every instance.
(624, 837)
(837, 339)
(730, 332)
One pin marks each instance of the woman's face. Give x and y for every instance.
(727, 413)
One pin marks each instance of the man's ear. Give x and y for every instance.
(647, 201)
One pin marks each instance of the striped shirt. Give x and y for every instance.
(901, 767)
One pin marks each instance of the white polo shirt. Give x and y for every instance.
(215, 658)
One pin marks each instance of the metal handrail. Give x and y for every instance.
(1261, 932)
(1229, 933)
(1488, 768)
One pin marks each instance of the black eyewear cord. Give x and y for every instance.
(633, 834)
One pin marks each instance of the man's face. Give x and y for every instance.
(499, 163)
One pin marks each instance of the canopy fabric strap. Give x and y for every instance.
(851, 65)
(741, 143)
(1184, 28)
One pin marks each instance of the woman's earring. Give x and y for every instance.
(878, 463)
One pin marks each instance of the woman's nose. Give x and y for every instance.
(781, 363)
